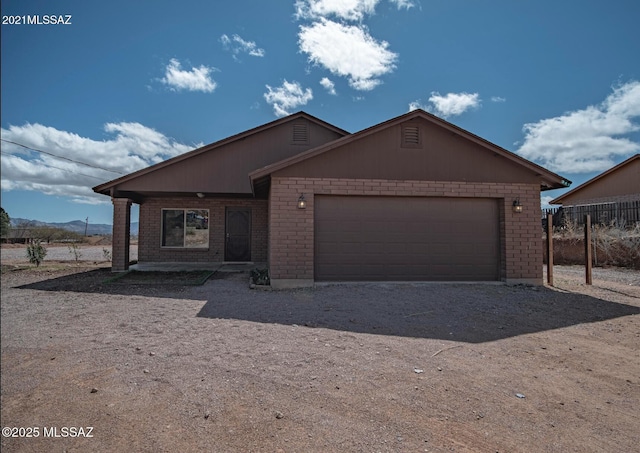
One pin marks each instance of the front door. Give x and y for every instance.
(238, 234)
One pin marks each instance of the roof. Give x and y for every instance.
(548, 179)
(108, 187)
(593, 182)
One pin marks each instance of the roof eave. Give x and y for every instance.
(106, 187)
(549, 181)
(559, 200)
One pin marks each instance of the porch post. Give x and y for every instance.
(121, 234)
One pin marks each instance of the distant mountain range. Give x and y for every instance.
(77, 226)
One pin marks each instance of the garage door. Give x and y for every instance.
(406, 238)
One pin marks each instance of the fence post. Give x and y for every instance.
(550, 249)
(587, 248)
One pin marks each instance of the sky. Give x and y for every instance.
(93, 90)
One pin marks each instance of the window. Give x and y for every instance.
(187, 228)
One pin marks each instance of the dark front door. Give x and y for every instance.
(238, 235)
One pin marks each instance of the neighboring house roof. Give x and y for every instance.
(222, 166)
(619, 181)
(548, 180)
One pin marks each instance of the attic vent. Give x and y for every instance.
(300, 134)
(411, 136)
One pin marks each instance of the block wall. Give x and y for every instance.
(121, 236)
(291, 236)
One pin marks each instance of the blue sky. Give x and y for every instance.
(128, 84)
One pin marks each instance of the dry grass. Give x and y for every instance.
(612, 245)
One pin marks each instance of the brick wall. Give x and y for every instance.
(291, 235)
(149, 249)
(121, 229)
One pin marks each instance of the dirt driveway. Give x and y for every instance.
(371, 367)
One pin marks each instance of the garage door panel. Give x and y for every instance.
(406, 238)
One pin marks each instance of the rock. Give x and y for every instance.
(152, 354)
(418, 370)
(519, 395)
(279, 415)
(145, 371)
(94, 390)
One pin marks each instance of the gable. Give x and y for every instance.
(223, 167)
(623, 180)
(415, 149)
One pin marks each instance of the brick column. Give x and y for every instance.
(121, 234)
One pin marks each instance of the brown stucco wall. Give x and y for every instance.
(291, 236)
(149, 249)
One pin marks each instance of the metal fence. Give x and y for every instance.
(624, 214)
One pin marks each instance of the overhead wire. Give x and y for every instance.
(61, 157)
(58, 168)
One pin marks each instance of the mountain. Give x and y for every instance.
(77, 226)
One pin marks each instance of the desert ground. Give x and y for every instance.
(219, 367)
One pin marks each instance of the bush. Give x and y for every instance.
(611, 246)
(106, 253)
(36, 252)
(260, 276)
(74, 250)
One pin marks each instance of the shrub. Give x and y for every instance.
(260, 276)
(36, 252)
(74, 249)
(106, 253)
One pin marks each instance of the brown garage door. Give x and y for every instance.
(406, 238)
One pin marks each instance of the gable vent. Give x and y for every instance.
(411, 136)
(300, 134)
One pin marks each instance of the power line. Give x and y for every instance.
(58, 168)
(61, 157)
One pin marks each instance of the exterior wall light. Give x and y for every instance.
(302, 203)
(517, 207)
(200, 195)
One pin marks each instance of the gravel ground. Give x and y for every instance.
(366, 367)
(56, 252)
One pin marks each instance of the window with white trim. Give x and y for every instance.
(185, 228)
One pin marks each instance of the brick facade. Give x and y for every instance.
(149, 241)
(291, 235)
(121, 236)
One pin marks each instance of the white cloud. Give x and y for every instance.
(238, 45)
(198, 79)
(451, 104)
(287, 97)
(406, 4)
(586, 140)
(545, 202)
(352, 10)
(498, 99)
(348, 51)
(328, 85)
(131, 147)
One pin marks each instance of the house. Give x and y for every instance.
(412, 198)
(613, 195)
